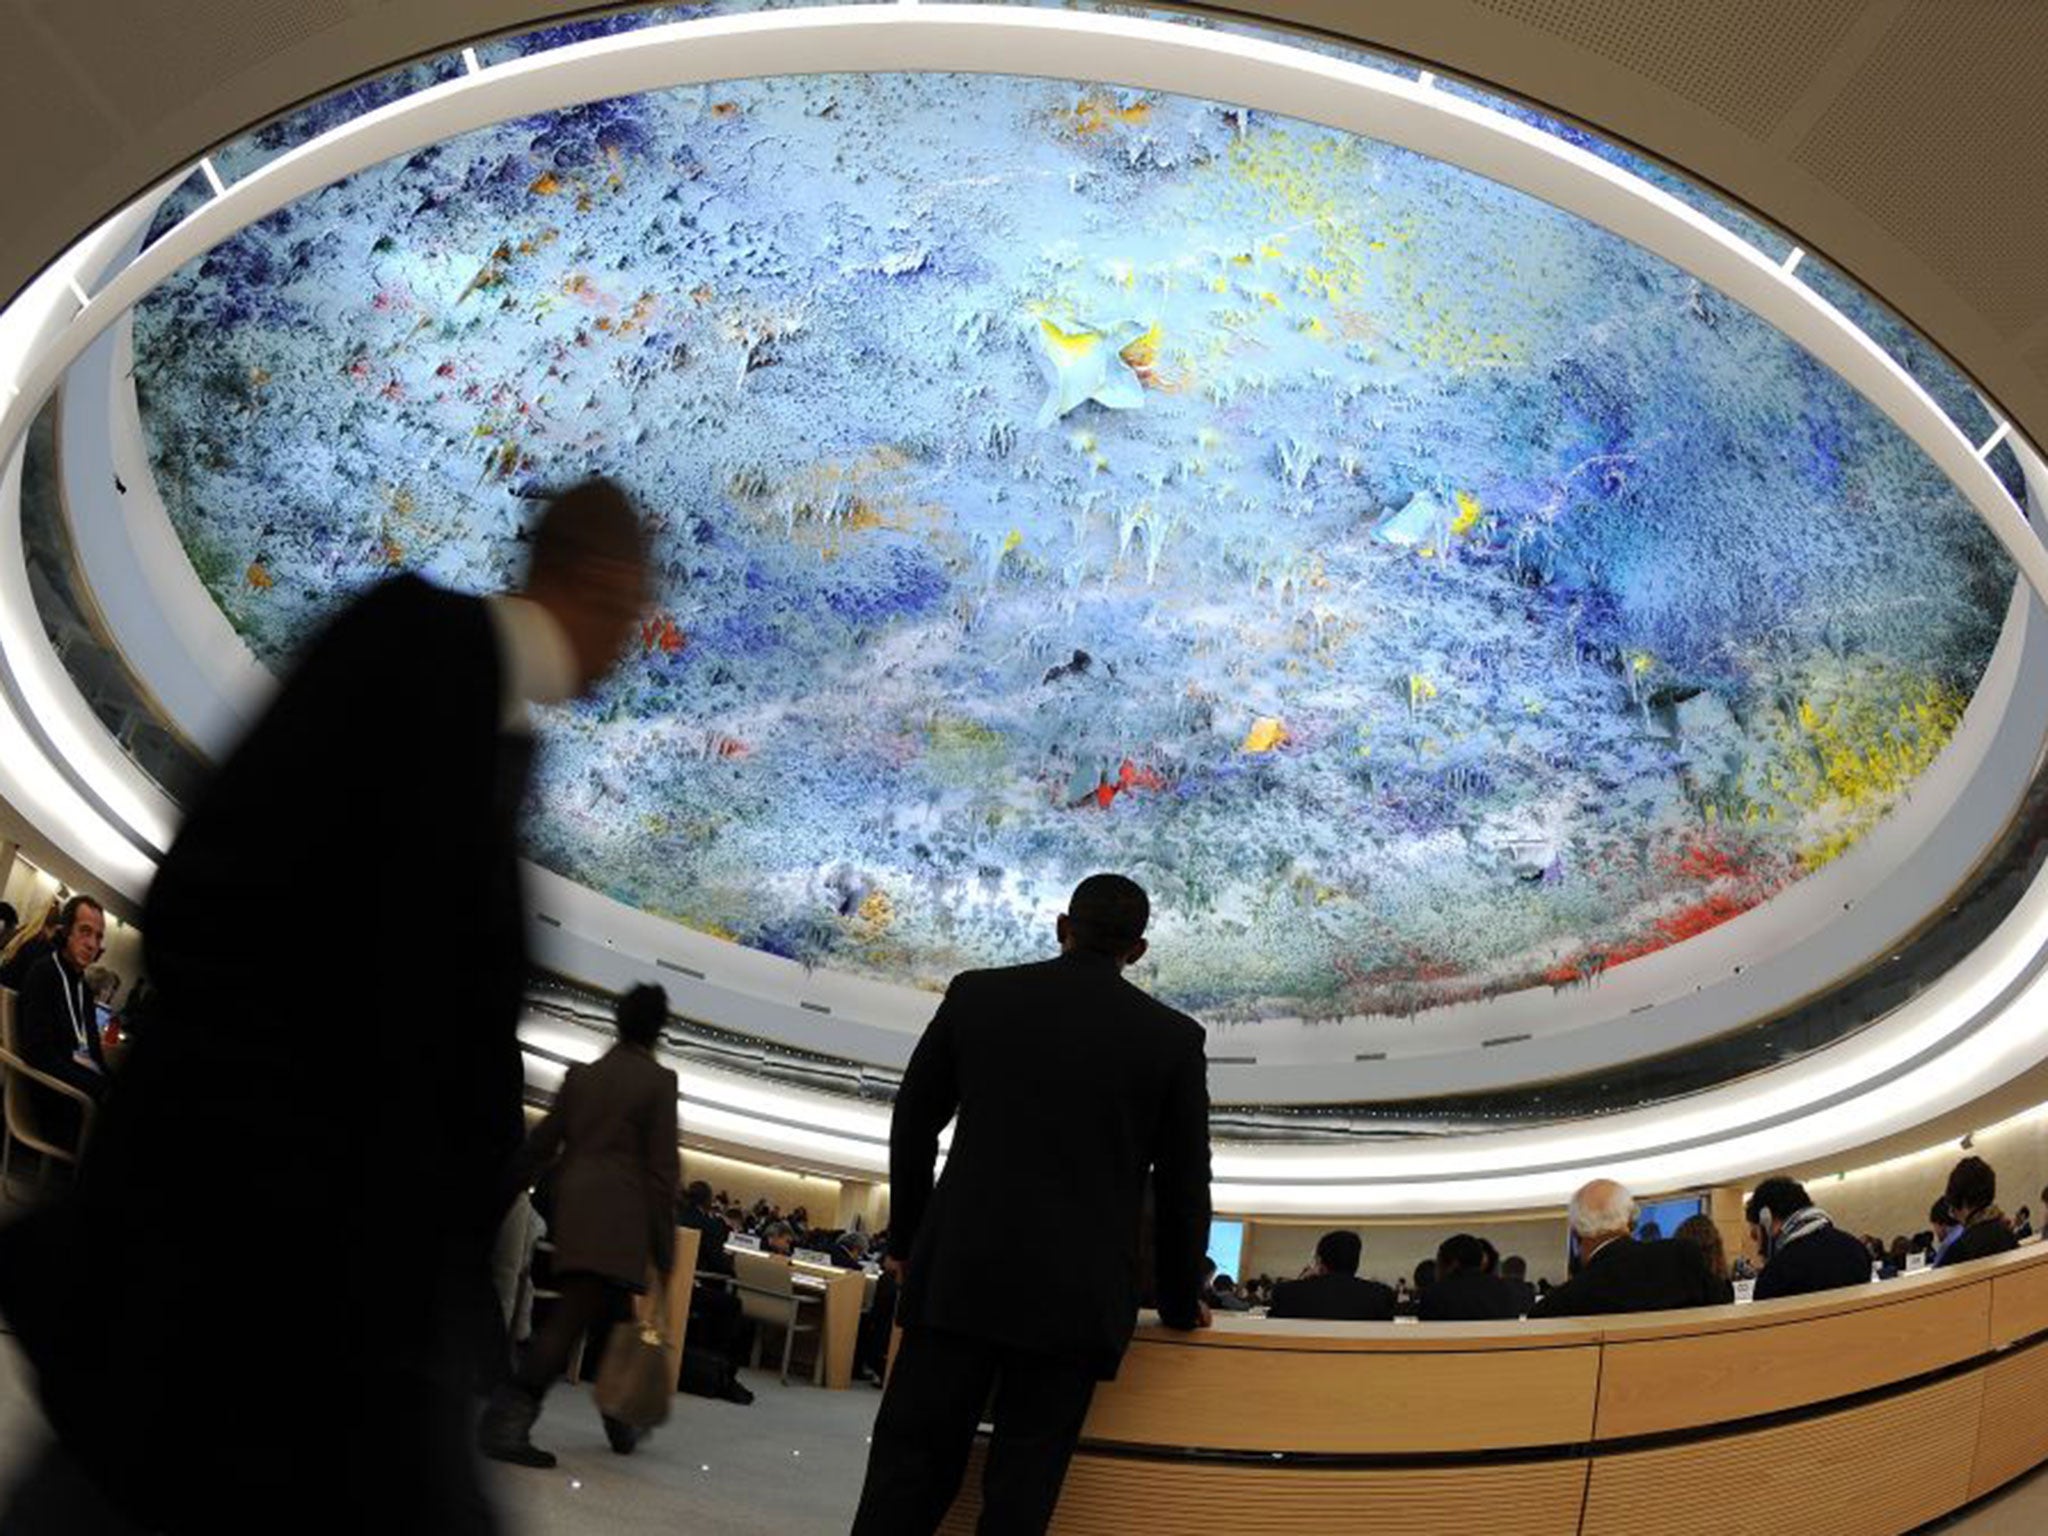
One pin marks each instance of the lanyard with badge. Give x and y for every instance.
(81, 1047)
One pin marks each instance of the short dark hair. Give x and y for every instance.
(8, 916)
(1339, 1252)
(1490, 1256)
(1779, 1195)
(1108, 913)
(698, 1194)
(592, 520)
(1461, 1250)
(1425, 1274)
(1514, 1267)
(72, 908)
(1972, 1186)
(1939, 1214)
(642, 1013)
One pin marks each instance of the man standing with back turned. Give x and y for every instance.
(1067, 1086)
(306, 1158)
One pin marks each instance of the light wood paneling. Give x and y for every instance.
(840, 1320)
(1105, 1496)
(1242, 1330)
(1877, 1470)
(1651, 1385)
(2019, 1299)
(2014, 1437)
(1192, 1394)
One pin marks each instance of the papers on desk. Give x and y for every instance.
(812, 1256)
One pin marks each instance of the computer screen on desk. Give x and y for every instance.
(1226, 1247)
(1667, 1216)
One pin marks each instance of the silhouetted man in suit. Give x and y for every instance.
(1464, 1291)
(1514, 1274)
(1618, 1274)
(311, 1147)
(1332, 1290)
(1061, 1078)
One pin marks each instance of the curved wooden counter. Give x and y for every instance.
(1861, 1412)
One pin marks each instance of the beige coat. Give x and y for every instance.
(611, 1138)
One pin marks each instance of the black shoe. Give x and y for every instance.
(734, 1392)
(501, 1433)
(622, 1435)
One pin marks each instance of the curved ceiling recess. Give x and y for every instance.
(1428, 592)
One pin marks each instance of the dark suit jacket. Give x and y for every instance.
(1069, 1085)
(1628, 1276)
(1339, 1298)
(330, 1094)
(54, 1016)
(1522, 1293)
(1820, 1261)
(1982, 1240)
(611, 1137)
(1468, 1297)
(711, 1235)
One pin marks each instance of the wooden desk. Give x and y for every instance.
(839, 1319)
(1866, 1411)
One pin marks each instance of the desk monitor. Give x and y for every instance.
(1226, 1247)
(1667, 1216)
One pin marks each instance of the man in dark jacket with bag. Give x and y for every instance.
(1058, 1077)
(292, 1066)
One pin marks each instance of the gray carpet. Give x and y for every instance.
(790, 1465)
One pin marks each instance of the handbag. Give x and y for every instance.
(633, 1381)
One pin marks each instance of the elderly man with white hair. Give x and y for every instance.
(1612, 1272)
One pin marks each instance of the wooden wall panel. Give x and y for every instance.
(1351, 1401)
(2019, 1304)
(1107, 1496)
(2014, 1438)
(1878, 1470)
(1651, 1385)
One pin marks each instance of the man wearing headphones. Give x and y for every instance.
(1803, 1249)
(59, 1030)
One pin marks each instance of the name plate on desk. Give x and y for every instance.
(1915, 1262)
(1745, 1290)
(812, 1256)
(745, 1242)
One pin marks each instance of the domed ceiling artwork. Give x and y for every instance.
(1424, 593)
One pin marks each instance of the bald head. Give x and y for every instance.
(1602, 1209)
(589, 568)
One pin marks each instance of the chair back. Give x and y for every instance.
(17, 1100)
(767, 1287)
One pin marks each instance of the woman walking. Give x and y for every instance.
(610, 1144)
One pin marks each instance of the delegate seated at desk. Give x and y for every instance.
(1333, 1290)
(1617, 1273)
(1464, 1292)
